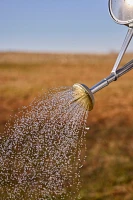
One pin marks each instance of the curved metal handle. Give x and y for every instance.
(123, 49)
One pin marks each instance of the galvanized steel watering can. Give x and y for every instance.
(122, 12)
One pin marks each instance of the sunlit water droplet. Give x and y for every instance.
(41, 149)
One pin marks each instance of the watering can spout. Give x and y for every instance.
(103, 83)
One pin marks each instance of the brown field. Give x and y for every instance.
(108, 171)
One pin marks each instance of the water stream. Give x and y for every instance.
(41, 148)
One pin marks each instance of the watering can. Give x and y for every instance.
(122, 13)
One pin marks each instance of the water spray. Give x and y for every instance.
(122, 13)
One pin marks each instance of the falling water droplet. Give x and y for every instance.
(41, 148)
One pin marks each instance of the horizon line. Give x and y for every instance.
(60, 52)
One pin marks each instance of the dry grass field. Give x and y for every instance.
(108, 171)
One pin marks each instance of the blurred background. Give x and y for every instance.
(48, 44)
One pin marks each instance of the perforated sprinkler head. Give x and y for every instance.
(83, 95)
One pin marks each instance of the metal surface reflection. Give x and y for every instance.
(121, 11)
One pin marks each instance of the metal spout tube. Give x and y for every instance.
(112, 77)
(103, 83)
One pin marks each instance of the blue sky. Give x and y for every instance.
(59, 26)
